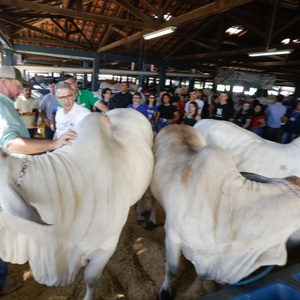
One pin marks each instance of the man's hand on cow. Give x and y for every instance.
(64, 139)
(107, 119)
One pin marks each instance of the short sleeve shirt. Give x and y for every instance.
(224, 112)
(25, 105)
(141, 108)
(70, 120)
(122, 100)
(11, 124)
(47, 105)
(167, 112)
(274, 113)
(85, 98)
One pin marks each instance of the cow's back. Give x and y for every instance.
(250, 152)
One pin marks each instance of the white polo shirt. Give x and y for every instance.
(64, 122)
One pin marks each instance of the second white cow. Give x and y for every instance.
(225, 224)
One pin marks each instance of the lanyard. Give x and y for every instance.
(78, 97)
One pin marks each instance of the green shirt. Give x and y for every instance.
(85, 98)
(11, 124)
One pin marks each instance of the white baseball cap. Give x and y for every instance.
(13, 73)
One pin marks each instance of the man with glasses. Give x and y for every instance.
(14, 137)
(71, 113)
(137, 98)
(83, 98)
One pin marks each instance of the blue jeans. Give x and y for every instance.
(288, 137)
(3, 273)
(49, 133)
(161, 124)
(258, 131)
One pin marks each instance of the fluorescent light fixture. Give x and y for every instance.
(271, 52)
(160, 32)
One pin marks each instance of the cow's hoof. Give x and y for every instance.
(151, 226)
(165, 295)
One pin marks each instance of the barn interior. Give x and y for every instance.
(107, 37)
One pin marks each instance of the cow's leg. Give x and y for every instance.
(140, 210)
(172, 265)
(93, 272)
(151, 225)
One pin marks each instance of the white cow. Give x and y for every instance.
(85, 190)
(225, 224)
(250, 152)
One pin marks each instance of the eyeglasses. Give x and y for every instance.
(64, 97)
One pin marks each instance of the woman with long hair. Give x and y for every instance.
(151, 109)
(258, 119)
(244, 116)
(192, 116)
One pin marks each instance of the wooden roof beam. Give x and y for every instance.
(247, 25)
(121, 42)
(43, 41)
(44, 32)
(65, 3)
(135, 11)
(75, 14)
(150, 7)
(203, 45)
(194, 35)
(162, 11)
(80, 31)
(58, 25)
(203, 12)
(105, 37)
(119, 31)
(221, 53)
(4, 36)
(289, 24)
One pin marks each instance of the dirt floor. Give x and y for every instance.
(135, 272)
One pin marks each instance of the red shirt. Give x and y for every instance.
(255, 121)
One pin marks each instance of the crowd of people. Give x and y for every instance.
(278, 122)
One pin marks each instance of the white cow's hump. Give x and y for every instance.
(250, 152)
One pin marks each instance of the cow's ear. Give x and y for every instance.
(13, 201)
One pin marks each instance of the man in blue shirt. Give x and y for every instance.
(14, 137)
(274, 112)
(46, 107)
(137, 104)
